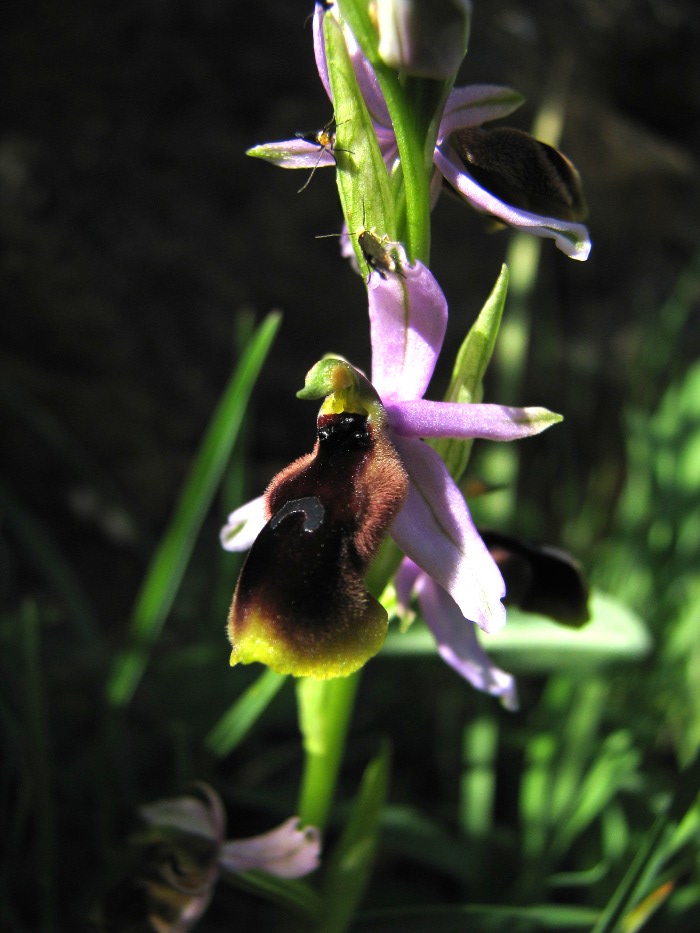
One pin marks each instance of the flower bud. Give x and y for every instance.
(425, 38)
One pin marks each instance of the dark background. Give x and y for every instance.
(134, 228)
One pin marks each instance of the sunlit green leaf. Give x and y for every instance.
(533, 643)
(239, 719)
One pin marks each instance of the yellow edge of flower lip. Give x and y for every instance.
(283, 661)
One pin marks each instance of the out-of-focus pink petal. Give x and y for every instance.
(244, 525)
(459, 646)
(388, 146)
(293, 153)
(287, 851)
(191, 815)
(476, 104)
(408, 317)
(435, 188)
(404, 582)
(453, 419)
(571, 238)
(434, 528)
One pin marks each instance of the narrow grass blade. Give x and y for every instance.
(240, 718)
(170, 560)
(351, 863)
(450, 919)
(293, 894)
(639, 878)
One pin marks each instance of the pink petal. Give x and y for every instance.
(570, 238)
(287, 851)
(476, 104)
(459, 646)
(244, 525)
(367, 81)
(408, 317)
(320, 48)
(453, 419)
(192, 815)
(434, 528)
(366, 78)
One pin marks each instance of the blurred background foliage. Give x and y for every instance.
(140, 250)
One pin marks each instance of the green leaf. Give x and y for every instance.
(169, 562)
(466, 384)
(410, 835)
(532, 642)
(477, 349)
(291, 893)
(350, 864)
(239, 719)
(640, 879)
(614, 769)
(492, 917)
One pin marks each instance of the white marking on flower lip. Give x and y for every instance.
(310, 507)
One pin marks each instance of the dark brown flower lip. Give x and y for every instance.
(301, 605)
(521, 170)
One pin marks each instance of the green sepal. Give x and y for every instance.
(269, 153)
(363, 181)
(466, 384)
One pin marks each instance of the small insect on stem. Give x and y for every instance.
(325, 140)
(380, 254)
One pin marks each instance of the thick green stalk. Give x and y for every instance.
(325, 709)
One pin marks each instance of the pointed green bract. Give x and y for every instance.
(466, 384)
(268, 153)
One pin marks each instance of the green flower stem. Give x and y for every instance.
(325, 709)
(415, 106)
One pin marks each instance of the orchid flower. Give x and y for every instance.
(184, 852)
(433, 527)
(503, 173)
